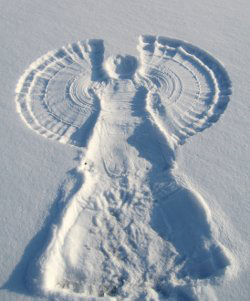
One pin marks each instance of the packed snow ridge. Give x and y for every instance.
(135, 229)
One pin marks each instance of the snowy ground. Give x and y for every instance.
(215, 161)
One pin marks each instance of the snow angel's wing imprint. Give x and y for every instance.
(189, 89)
(54, 95)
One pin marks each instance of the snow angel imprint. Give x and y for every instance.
(134, 229)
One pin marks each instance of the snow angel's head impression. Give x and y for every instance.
(121, 66)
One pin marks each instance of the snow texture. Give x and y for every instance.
(134, 228)
(133, 218)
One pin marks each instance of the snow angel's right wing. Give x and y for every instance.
(54, 96)
(188, 88)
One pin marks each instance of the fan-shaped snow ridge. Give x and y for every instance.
(54, 94)
(194, 88)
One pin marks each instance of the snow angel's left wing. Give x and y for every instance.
(54, 95)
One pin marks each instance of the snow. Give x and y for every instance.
(37, 173)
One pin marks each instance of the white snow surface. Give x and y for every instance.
(39, 178)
